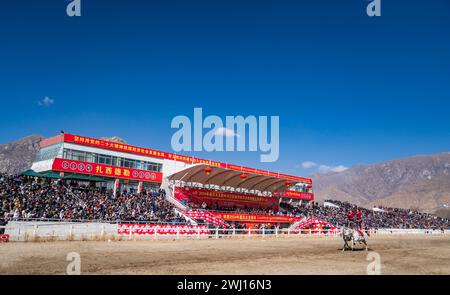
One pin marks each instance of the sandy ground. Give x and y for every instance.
(407, 254)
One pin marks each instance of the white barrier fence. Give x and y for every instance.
(29, 231)
(43, 231)
(409, 231)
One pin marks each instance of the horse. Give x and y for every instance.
(355, 237)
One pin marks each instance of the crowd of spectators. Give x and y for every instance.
(384, 218)
(23, 197)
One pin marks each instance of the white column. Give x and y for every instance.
(116, 186)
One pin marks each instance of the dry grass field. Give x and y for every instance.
(400, 254)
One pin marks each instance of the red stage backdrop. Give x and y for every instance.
(105, 170)
(225, 199)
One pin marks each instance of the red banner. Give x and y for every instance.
(261, 218)
(225, 199)
(161, 229)
(105, 170)
(298, 195)
(104, 144)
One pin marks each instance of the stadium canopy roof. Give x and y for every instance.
(35, 174)
(83, 177)
(30, 173)
(69, 176)
(232, 178)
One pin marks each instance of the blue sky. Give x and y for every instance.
(348, 88)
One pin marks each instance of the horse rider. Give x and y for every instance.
(350, 218)
(358, 217)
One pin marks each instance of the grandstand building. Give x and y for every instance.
(107, 165)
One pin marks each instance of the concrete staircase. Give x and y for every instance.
(206, 216)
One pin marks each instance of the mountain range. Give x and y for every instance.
(419, 182)
(18, 156)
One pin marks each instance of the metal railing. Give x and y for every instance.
(117, 221)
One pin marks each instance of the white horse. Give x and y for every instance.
(351, 235)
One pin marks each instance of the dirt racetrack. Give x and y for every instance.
(400, 254)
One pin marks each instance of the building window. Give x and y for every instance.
(110, 160)
(49, 152)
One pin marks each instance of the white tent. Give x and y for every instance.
(375, 209)
(328, 204)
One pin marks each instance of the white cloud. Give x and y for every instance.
(321, 168)
(221, 131)
(324, 168)
(46, 101)
(309, 164)
(339, 168)
(328, 169)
